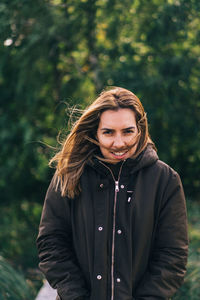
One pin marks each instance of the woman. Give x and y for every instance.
(114, 219)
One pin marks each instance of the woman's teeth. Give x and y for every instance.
(119, 153)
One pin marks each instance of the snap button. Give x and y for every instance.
(99, 277)
(119, 231)
(101, 185)
(118, 280)
(100, 228)
(122, 186)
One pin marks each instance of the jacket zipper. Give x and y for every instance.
(114, 226)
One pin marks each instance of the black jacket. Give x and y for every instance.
(118, 240)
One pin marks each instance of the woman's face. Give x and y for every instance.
(117, 133)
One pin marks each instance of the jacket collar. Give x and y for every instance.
(146, 158)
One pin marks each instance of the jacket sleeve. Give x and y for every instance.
(55, 247)
(168, 260)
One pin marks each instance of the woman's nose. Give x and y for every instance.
(118, 142)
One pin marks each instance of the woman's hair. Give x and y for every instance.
(81, 144)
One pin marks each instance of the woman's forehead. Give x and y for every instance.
(121, 118)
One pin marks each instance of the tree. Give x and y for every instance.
(57, 53)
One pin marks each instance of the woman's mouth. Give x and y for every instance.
(119, 155)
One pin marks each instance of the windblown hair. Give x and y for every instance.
(81, 144)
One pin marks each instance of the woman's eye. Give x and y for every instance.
(128, 131)
(107, 132)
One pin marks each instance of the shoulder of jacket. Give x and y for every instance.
(162, 166)
(167, 173)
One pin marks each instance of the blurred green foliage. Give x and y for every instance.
(58, 53)
(13, 285)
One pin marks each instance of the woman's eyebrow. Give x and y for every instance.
(127, 128)
(131, 127)
(107, 129)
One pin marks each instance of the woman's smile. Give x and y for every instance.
(119, 155)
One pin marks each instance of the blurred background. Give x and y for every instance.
(59, 53)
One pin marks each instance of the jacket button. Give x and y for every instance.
(118, 280)
(100, 228)
(119, 231)
(101, 185)
(99, 277)
(122, 186)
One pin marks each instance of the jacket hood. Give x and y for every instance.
(146, 158)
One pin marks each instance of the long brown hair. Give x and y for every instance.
(81, 144)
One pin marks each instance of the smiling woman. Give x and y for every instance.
(83, 143)
(113, 225)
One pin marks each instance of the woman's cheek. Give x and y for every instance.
(106, 141)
